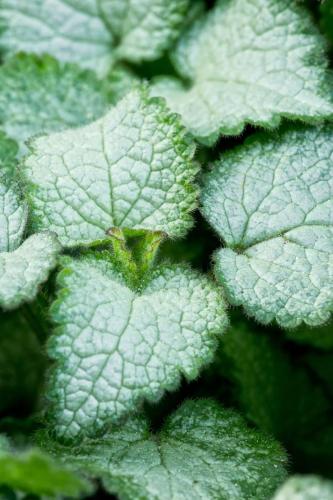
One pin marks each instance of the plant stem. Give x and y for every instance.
(122, 256)
(135, 262)
(147, 249)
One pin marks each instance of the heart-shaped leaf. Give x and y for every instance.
(202, 451)
(116, 346)
(132, 169)
(271, 200)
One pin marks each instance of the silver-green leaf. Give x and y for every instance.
(144, 28)
(91, 33)
(248, 62)
(271, 200)
(23, 270)
(23, 267)
(39, 95)
(132, 169)
(116, 346)
(13, 213)
(305, 488)
(203, 451)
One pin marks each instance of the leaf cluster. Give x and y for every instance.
(166, 249)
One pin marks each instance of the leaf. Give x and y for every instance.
(34, 472)
(22, 268)
(93, 33)
(39, 95)
(248, 62)
(271, 201)
(21, 364)
(26, 268)
(308, 487)
(13, 211)
(116, 346)
(203, 451)
(131, 169)
(144, 28)
(70, 30)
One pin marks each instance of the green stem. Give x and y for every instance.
(122, 256)
(147, 249)
(135, 262)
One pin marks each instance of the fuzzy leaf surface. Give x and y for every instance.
(39, 95)
(116, 346)
(144, 28)
(305, 488)
(271, 200)
(23, 270)
(91, 33)
(131, 169)
(202, 451)
(23, 267)
(13, 211)
(34, 472)
(70, 30)
(248, 62)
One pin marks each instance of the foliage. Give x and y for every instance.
(166, 268)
